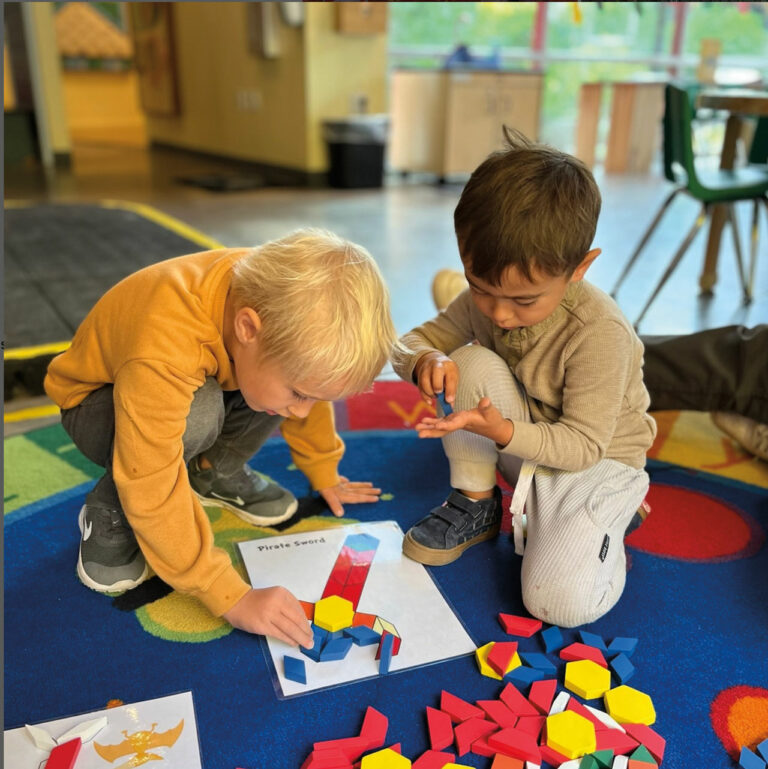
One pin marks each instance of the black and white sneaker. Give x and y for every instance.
(247, 494)
(109, 559)
(450, 529)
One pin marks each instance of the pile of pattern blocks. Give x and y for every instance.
(553, 726)
(336, 626)
(750, 760)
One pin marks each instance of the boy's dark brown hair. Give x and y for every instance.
(528, 206)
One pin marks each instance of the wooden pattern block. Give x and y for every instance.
(440, 728)
(374, 728)
(327, 758)
(433, 759)
(507, 762)
(531, 724)
(642, 754)
(604, 758)
(517, 744)
(577, 707)
(385, 759)
(749, 760)
(623, 645)
(481, 747)
(498, 712)
(335, 649)
(615, 740)
(501, 657)
(523, 676)
(351, 747)
(470, 730)
(520, 626)
(762, 749)
(622, 667)
(334, 613)
(587, 679)
(320, 636)
(538, 661)
(601, 715)
(630, 706)
(592, 639)
(481, 657)
(654, 742)
(552, 638)
(560, 703)
(620, 762)
(553, 757)
(457, 708)
(633, 764)
(577, 651)
(542, 693)
(516, 702)
(381, 626)
(362, 635)
(570, 734)
(64, 756)
(384, 654)
(294, 669)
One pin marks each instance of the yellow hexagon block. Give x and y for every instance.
(481, 655)
(571, 734)
(587, 679)
(385, 759)
(629, 706)
(334, 613)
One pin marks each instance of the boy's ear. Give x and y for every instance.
(586, 262)
(247, 325)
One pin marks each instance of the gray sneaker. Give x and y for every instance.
(247, 494)
(450, 529)
(110, 559)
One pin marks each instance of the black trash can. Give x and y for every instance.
(356, 146)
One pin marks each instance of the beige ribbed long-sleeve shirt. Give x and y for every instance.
(581, 368)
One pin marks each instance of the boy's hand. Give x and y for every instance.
(351, 492)
(484, 420)
(272, 611)
(435, 373)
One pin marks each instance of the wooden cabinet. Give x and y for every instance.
(448, 122)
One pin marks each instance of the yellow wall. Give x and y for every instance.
(103, 108)
(9, 94)
(314, 77)
(339, 67)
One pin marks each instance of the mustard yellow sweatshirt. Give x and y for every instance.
(156, 336)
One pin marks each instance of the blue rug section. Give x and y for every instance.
(68, 650)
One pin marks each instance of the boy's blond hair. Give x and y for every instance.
(324, 308)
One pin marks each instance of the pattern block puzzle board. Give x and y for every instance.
(164, 727)
(396, 589)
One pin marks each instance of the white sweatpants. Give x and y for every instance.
(574, 565)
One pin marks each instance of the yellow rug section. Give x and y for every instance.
(690, 439)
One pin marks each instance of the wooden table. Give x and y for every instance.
(739, 102)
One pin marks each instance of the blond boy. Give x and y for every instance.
(176, 378)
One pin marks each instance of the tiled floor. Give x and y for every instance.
(407, 226)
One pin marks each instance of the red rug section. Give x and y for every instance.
(389, 406)
(739, 717)
(692, 526)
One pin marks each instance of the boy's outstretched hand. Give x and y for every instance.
(484, 420)
(272, 611)
(349, 492)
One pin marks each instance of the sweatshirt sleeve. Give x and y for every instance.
(315, 446)
(445, 333)
(152, 402)
(597, 365)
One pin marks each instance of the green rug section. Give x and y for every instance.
(42, 463)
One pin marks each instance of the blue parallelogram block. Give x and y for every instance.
(294, 669)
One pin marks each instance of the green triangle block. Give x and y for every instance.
(604, 758)
(641, 754)
(589, 762)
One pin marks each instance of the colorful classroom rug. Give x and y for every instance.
(694, 599)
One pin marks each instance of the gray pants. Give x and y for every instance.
(219, 424)
(574, 566)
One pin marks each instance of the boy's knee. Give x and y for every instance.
(570, 602)
(478, 365)
(205, 420)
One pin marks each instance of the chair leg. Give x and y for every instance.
(644, 239)
(737, 250)
(755, 236)
(697, 225)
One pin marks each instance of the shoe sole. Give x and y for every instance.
(255, 520)
(433, 557)
(123, 584)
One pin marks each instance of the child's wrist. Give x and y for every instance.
(505, 433)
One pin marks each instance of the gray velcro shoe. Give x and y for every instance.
(247, 494)
(109, 559)
(450, 529)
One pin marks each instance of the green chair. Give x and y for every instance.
(709, 187)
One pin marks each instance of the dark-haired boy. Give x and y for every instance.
(551, 392)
